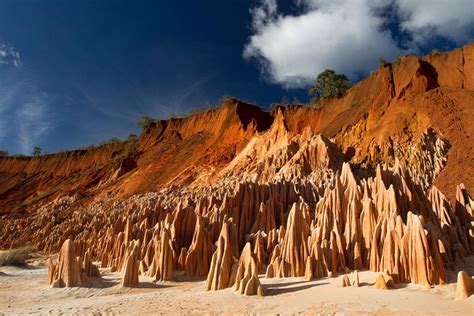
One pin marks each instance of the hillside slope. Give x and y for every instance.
(377, 180)
(416, 110)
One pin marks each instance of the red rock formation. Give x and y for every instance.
(223, 265)
(294, 249)
(464, 286)
(380, 283)
(162, 266)
(363, 183)
(198, 259)
(355, 277)
(131, 268)
(67, 273)
(246, 280)
(345, 282)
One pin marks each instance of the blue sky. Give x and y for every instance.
(74, 73)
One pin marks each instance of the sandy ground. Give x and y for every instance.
(25, 291)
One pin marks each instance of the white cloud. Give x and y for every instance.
(9, 55)
(453, 19)
(345, 35)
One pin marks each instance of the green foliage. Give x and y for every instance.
(132, 137)
(274, 106)
(354, 103)
(113, 140)
(383, 62)
(15, 257)
(316, 102)
(129, 147)
(398, 60)
(3, 153)
(19, 156)
(145, 122)
(36, 151)
(329, 84)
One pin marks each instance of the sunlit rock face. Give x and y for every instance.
(375, 180)
(295, 228)
(284, 227)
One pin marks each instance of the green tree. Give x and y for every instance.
(383, 62)
(329, 84)
(132, 137)
(316, 103)
(36, 151)
(3, 153)
(145, 122)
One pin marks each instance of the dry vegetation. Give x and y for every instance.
(16, 257)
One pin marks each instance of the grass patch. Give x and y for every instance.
(16, 257)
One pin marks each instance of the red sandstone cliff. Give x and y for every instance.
(416, 110)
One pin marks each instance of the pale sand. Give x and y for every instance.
(25, 291)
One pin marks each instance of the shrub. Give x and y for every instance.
(132, 137)
(113, 140)
(36, 151)
(3, 153)
(398, 60)
(16, 257)
(316, 103)
(145, 122)
(383, 62)
(354, 103)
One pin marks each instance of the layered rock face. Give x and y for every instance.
(293, 193)
(385, 223)
(464, 286)
(71, 270)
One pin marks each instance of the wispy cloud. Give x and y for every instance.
(25, 114)
(33, 121)
(9, 55)
(193, 88)
(186, 98)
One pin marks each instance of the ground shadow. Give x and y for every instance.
(401, 285)
(278, 285)
(180, 276)
(277, 289)
(151, 285)
(365, 284)
(26, 266)
(101, 283)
